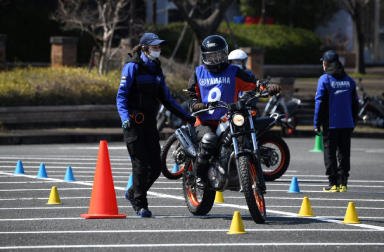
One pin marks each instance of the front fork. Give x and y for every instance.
(255, 155)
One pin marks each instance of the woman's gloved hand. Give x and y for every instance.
(126, 124)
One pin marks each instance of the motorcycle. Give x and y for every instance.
(166, 119)
(371, 109)
(278, 104)
(274, 152)
(237, 165)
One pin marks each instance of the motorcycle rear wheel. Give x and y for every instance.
(275, 152)
(199, 201)
(171, 168)
(253, 195)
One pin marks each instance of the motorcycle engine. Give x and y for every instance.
(216, 176)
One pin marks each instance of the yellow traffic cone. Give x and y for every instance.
(351, 215)
(237, 226)
(219, 197)
(306, 209)
(54, 198)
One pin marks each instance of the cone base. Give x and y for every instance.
(236, 232)
(103, 216)
(315, 151)
(351, 222)
(305, 215)
(293, 192)
(53, 203)
(69, 180)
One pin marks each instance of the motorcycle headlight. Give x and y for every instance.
(238, 120)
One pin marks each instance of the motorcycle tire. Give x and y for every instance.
(169, 167)
(275, 156)
(198, 201)
(252, 193)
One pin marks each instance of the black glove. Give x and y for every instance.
(273, 89)
(212, 104)
(199, 106)
(317, 131)
(126, 124)
(191, 120)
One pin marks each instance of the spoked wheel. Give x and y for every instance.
(275, 156)
(199, 201)
(253, 195)
(172, 158)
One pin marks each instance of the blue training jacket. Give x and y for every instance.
(334, 102)
(149, 85)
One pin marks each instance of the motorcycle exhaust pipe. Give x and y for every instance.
(186, 142)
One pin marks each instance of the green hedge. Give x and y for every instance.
(282, 44)
(57, 86)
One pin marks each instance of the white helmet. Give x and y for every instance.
(237, 57)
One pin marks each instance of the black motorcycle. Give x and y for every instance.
(371, 110)
(165, 118)
(278, 104)
(237, 163)
(274, 151)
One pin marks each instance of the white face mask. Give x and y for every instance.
(154, 54)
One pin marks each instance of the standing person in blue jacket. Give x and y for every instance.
(336, 108)
(142, 87)
(216, 80)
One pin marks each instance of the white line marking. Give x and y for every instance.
(235, 206)
(258, 244)
(37, 157)
(45, 189)
(185, 230)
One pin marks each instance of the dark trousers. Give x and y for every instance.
(337, 149)
(201, 165)
(143, 146)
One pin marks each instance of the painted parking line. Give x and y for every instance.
(253, 230)
(162, 195)
(196, 245)
(66, 158)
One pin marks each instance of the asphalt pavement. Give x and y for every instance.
(28, 223)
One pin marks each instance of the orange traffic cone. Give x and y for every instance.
(103, 203)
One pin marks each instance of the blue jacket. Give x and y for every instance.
(142, 86)
(336, 102)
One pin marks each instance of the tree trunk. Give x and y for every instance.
(360, 65)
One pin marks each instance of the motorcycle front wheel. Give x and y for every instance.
(253, 194)
(172, 158)
(275, 156)
(199, 201)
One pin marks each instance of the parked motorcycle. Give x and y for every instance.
(278, 104)
(238, 163)
(166, 119)
(371, 109)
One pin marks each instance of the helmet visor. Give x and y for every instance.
(214, 58)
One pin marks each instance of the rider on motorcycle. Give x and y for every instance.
(215, 80)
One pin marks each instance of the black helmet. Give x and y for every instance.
(214, 52)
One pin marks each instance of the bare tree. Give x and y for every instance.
(356, 9)
(99, 18)
(205, 21)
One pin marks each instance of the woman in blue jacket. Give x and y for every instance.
(336, 108)
(142, 87)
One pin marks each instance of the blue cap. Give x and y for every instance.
(149, 39)
(330, 56)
